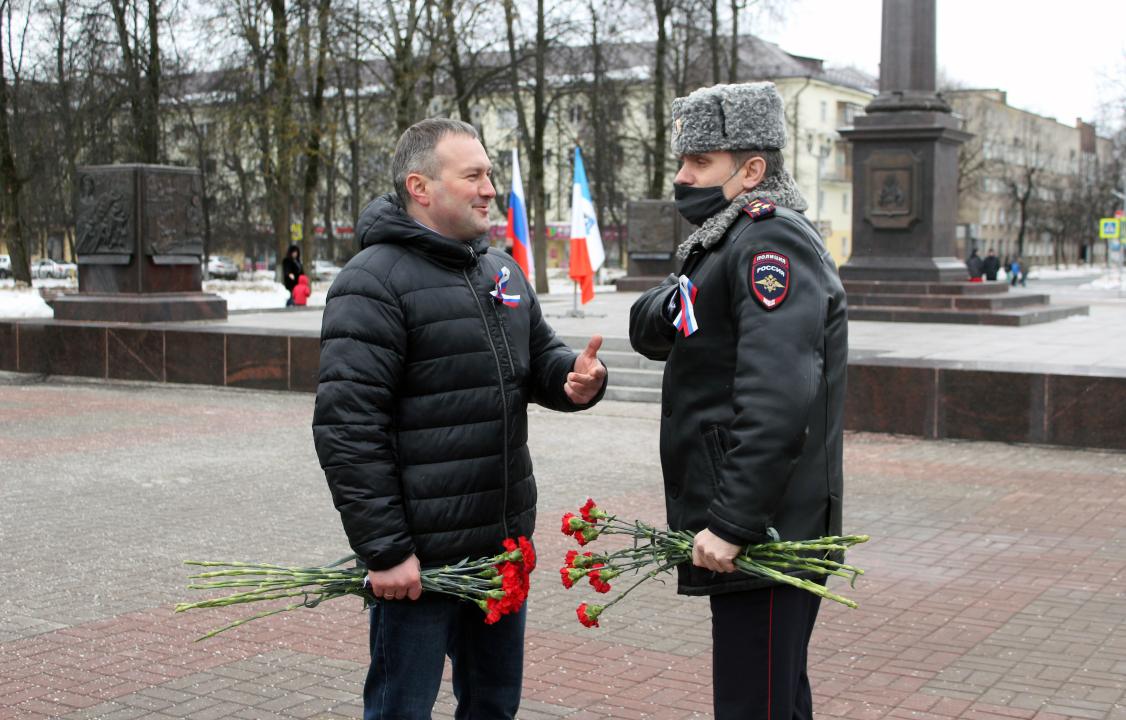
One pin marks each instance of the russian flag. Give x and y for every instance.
(587, 253)
(517, 230)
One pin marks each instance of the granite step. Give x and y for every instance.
(1029, 315)
(887, 287)
(997, 301)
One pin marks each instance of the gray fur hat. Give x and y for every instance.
(747, 116)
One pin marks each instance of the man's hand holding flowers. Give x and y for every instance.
(713, 553)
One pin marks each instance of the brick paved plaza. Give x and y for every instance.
(996, 585)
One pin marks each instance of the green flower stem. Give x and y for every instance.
(802, 583)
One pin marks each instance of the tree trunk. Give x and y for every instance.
(733, 65)
(533, 141)
(12, 183)
(316, 131)
(283, 132)
(453, 55)
(657, 180)
(714, 41)
(150, 131)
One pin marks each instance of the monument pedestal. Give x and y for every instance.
(140, 239)
(655, 229)
(140, 307)
(905, 197)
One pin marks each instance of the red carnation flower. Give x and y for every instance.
(588, 615)
(567, 529)
(493, 611)
(596, 580)
(565, 575)
(590, 511)
(570, 558)
(529, 553)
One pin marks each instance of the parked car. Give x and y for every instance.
(325, 270)
(221, 267)
(5, 266)
(48, 268)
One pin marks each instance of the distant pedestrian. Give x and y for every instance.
(291, 270)
(301, 291)
(1014, 272)
(991, 265)
(974, 265)
(1025, 268)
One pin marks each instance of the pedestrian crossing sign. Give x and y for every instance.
(1109, 228)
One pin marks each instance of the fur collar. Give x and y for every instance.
(781, 190)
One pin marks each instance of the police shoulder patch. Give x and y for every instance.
(770, 279)
(760, 208)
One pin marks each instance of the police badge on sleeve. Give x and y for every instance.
(770, 279)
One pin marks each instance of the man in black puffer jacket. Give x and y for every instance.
(432, 346)
(754, 335)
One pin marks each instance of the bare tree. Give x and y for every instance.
(10, 176)
(140, 55)
(315, 132)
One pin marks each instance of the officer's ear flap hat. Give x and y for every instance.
(730, 118)
(748, 116)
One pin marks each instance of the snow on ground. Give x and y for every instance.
(23, 303)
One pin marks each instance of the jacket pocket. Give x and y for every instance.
(716, 445)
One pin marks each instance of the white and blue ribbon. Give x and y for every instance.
(685, 321)
(502, 285)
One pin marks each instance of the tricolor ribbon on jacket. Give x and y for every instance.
(685, 321)
(502, 285)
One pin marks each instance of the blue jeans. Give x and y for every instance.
(409, 644)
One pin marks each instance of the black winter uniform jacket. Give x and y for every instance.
(421, 414)
(751, 433)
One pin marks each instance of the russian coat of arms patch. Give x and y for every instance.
(770, 279)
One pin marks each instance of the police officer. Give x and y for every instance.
(753, 331)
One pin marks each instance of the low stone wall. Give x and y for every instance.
(1041, 404)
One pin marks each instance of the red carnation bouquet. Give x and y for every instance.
(654, 552)
(497, 584)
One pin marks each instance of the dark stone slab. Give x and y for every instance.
(195, 357)
(1014, 317)
(877, 287)
(304, 363)
(1006, 407)
(62, 349)
(9, 342)
(258, 361)
(891, 399)
(135, 354)
(1086, 411)
(140, 307)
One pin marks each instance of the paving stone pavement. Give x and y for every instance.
(995, 586)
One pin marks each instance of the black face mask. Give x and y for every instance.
(697, 204)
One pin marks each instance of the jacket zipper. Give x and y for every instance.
(503, 397)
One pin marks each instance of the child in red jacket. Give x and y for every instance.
(301, 291)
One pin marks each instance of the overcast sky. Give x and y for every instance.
(1061, 59)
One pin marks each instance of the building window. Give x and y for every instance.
(506, 119)
(824, 111)
(547, 201)
(844, 203)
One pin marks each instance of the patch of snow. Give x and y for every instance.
(23, 303)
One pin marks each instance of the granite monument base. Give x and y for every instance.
(963, 302)
(140, 307)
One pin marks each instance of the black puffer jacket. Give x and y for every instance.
(753, 401)
(421, 415)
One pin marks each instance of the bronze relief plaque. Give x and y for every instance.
(104, 219)
(893, 189)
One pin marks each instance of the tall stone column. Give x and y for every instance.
(905, 161)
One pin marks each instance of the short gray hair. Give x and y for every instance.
(414, 152)
(775, 163)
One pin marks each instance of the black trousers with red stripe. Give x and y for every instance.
(760, 640)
